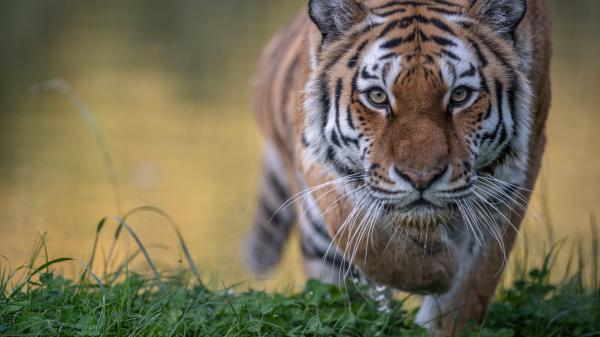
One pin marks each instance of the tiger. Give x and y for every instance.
(403, 138)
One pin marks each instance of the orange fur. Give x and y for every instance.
(419, 138)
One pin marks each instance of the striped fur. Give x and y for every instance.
(272, 222)
(424, 189)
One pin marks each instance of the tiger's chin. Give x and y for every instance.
(421, 215)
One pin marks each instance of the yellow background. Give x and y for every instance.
(169, 84)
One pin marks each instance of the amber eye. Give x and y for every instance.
(460, 95)
(377, 97)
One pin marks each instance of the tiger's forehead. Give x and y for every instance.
(419, 28)
(416, 37)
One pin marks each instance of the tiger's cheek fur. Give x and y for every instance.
(469, 126)
(370, 126)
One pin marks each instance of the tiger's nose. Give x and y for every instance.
(421, 180)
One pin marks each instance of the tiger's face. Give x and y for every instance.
(418, 99)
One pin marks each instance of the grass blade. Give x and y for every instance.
(123, 224)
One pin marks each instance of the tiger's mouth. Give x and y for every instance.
(418, 210)
(422, 203)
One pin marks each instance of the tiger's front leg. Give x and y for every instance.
(473, 287)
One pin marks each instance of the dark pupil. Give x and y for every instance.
(459, 94)
(377, 95)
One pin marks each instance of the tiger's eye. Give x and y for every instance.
(378, 96)
(460, 95)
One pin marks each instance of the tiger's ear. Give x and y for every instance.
(503, 16)
(334, 17)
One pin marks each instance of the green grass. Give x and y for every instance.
(139, 306)
(123, 303)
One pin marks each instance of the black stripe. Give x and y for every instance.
(502, 135)
(337, 165)
(338, 96)
(319, 228)
(484, 84)
(384, 191)
(503, 138)
(334, 139)
(304, 141)
(450, 54)
(388, 55)
(413, 3)
(391, 12)
(499, 100)
(446, 3)
(491, 45)
(443, 11)
(365, 74)
(280, 190)
(310, 250)
(443, 41)
(466, 24)
(483, 62)
(422, 37)
(458, 189)
(469, 73)
(325, 102)
(354, 59)
(270, 213)
(271, 240)
(511, 95)
(429, 59)
(488, 113)
(499, 131)
(370, 27)
(439, 24)
(387, 5)
(349, 118)
(388, 28)
(393, 43)
(354, 86)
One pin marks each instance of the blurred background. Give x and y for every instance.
(169, 85)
